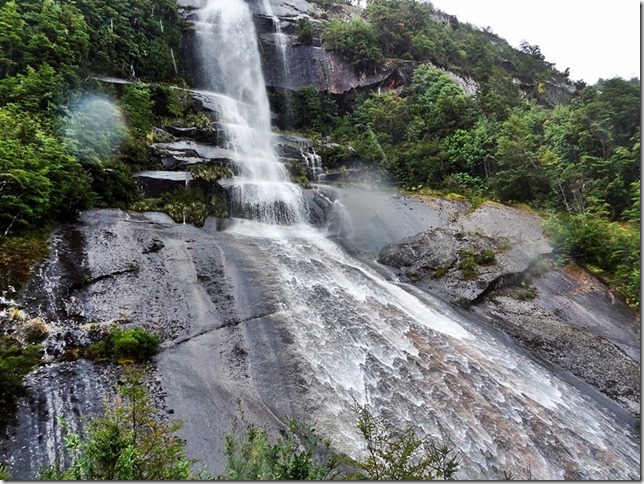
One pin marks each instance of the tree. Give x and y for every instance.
(520, 176)
(12, 39)
(355, 41)
(128, 443)
(395, 455)
(438, 105)
(39, 179)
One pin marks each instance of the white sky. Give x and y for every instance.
(594, 39)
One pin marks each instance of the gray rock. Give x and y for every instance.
(155, 183)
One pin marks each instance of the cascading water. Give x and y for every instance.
(353, 335)
(227, 46)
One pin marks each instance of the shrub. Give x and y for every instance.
(356, 42)
(16, 361)
(395, 455)
(467, 265)
(134, 344)
(304, 30)
(295, 456)
(486, 257)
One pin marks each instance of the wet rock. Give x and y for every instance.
(564, 316)
(156, 183)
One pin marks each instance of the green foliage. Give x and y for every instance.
(134, 39)
(395, 455)
(313, 110)
(397, 23)
(485, 257)
(355, 41)
(94, 130)
(16, 361)
(5, 474)
(128, 443)
(438, 105)
(210, 173)
(440, 272)
(186, 206)
(304, 31)
(299, 454)
(135, 344)
(137, 107)
(467, 265)
(39, 179)
(591, 239)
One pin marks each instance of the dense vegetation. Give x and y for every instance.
(66, 142)
(575, 155)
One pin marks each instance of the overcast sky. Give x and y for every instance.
(594, 39)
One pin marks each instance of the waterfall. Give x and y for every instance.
(353, 335)
(227, 47)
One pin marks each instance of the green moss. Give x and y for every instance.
(16, 361)
(440, 272)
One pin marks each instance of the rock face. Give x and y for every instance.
(287, 64)
(564, 316)
(467, 259)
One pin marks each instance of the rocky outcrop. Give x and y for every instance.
(564, 316)
(471, 257)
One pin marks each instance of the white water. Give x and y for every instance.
(227, 47)
(356, 336)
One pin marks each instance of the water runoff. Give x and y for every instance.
(358, 336)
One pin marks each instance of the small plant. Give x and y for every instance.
(35, 330)
(525, 293)
(300, 454)
(486, 257)
(5, 474)
(395, 455)
(467, 265)
(210, 173)
(440, 272)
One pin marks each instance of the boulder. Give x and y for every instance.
(489, 248)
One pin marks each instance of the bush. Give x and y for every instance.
(134, 344)
(467, 265)
(594, 240)
(356, 42)
(395, 455)
(304, 30)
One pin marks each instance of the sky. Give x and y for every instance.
(595, 39)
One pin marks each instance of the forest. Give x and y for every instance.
(529, 136)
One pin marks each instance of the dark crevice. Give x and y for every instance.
(231, 323)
